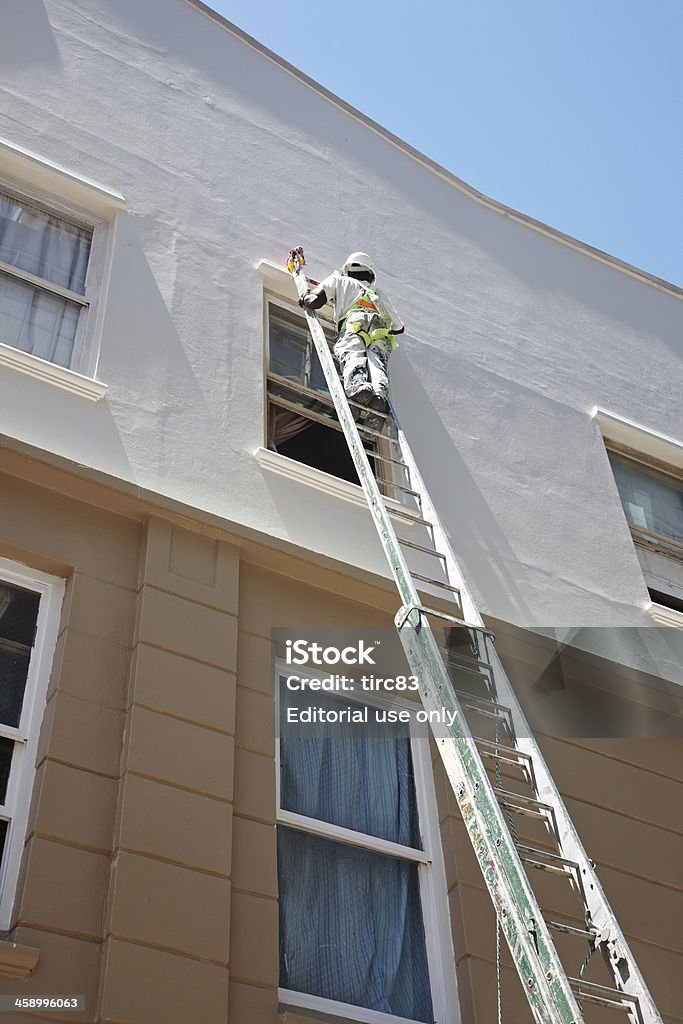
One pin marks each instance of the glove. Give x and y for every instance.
(313, 299)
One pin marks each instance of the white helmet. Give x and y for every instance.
(359, 261)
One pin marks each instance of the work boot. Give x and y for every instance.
(379, 403)
(361, 393)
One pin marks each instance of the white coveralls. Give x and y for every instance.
(360, 364)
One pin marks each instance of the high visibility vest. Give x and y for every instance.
(369, 302)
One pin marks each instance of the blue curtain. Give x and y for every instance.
(351, 920)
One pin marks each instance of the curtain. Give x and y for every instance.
(32, 318)
(350, 919)
(283, 425)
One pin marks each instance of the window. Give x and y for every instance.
(302, 422)
(361, 880)
(44, 294)
(29, 615)
(652, 499)
(653, 502)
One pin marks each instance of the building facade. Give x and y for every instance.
(160, 517)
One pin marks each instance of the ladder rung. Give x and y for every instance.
(413, 517)
(548, 861)
(570, 929)
(452, 618)
(502, 752)
(471, 662)
(435, 583)
(399, 487)
(362, 429)
(523, 804)
(421, 547)
(481, 705)
(387, 458)
(602, 995)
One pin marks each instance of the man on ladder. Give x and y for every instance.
(367, 323)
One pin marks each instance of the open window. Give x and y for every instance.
(652, 497)
(302, 422)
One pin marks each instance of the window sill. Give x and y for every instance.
(295, 1006)
(321, 481)
(664, 616)
(41, 369)
(17, 962)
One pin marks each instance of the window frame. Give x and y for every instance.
(646, 540)
(380, 450)
(22, 773)
(429, 862)
(85, 353)
(273, 299)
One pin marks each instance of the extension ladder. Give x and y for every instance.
(554, 996)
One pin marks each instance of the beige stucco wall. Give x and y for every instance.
(149, 878)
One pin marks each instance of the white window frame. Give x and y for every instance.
(271, 299)
(83, 358)
(659, 451)
(648, 541)
(429, 862)
(661, 543)
(15, 810)
(88, 203)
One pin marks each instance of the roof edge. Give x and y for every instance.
(493, 204)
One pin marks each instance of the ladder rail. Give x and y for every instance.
(613, 944)
(548, 991)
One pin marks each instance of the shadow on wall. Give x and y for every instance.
(28, 21)
(474, 531)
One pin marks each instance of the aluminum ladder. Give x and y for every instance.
(487, 809)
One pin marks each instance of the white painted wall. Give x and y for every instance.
(226, 158)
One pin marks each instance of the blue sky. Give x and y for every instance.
(568, 110)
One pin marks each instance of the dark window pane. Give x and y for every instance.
(652, 501)
(18, 614)
(351, 926)
(4, 825)
(292, 353)
(6, 750)
(13, 673)
(350, 774)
